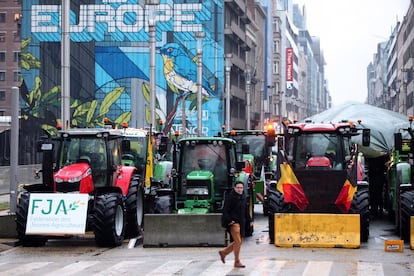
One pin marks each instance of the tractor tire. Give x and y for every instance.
(360, 205)
(249, 229)
(277, 204)
(407, 210)
(109, 224)
(21, 221)
(134, 205)
(163, 203)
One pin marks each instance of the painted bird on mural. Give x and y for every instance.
(180, 70)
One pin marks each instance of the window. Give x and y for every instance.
(2, 113)
(276, 46)
(2, 56)
(16, 56)
(2, 37)
(2, 76)
(2, 17)
(16, 36)
(16, 75)
(2, 95)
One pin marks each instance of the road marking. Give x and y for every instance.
(317, 268)
(218, 268)
(368, 269)
(120, 268)
(72, 268)
(169, 268)
(26, 268)
(268, 267)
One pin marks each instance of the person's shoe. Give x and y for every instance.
(239, 264)
(222, 256)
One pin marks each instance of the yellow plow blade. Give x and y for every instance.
(412, 232)
(317, 230)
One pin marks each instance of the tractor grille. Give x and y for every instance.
(65, 187)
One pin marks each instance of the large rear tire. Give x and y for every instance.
(109, 225)
(134, 204)
(21, 221)
(277, 204)
(407, 210)
(360, 205)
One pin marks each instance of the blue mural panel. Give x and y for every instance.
(110, 62)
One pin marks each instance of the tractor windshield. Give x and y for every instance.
(90, 150)
(317, 150)
(207, 157)
(137, 155)
(256, 145)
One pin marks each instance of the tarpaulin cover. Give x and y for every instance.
(382, 123)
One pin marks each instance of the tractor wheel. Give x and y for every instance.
(21, 221)
(134, 205)
(276, 202)
(163, 202)
(109, 225)
(360, 205)
(407, 210)
(250, 229)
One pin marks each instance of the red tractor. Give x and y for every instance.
(82, 164)
(320, 197)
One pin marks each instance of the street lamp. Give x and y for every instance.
(65, 59)
(152, 29)
(228, 64)
(248, 80)
(261, 104)
(199, 36)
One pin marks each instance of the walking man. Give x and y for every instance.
(235, 217)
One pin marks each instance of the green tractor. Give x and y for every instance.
(254, 147)
(147, 153)
(204, 170)
(399, 191)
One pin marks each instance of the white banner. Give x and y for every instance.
(57, 214)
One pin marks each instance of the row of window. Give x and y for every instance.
(16, 75)
(3, 35)
(16, 56)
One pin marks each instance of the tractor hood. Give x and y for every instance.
(73, 173)
(382, 123)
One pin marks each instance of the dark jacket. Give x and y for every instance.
(236, 209)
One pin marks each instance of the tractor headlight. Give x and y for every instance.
(197, 191)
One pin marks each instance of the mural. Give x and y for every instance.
(110, 64)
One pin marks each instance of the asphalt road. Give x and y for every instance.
(80, 256)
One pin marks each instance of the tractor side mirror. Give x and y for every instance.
(162, 147)
(398, 141)
(366, 137)
(42, 146)
(270, 137)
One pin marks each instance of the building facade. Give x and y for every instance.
(10, 23)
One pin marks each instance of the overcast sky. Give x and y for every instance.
(349, 31)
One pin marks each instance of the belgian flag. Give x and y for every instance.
(344, 199)
(289, 185)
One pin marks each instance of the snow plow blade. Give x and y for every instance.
(163, 230)
(317, 230)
